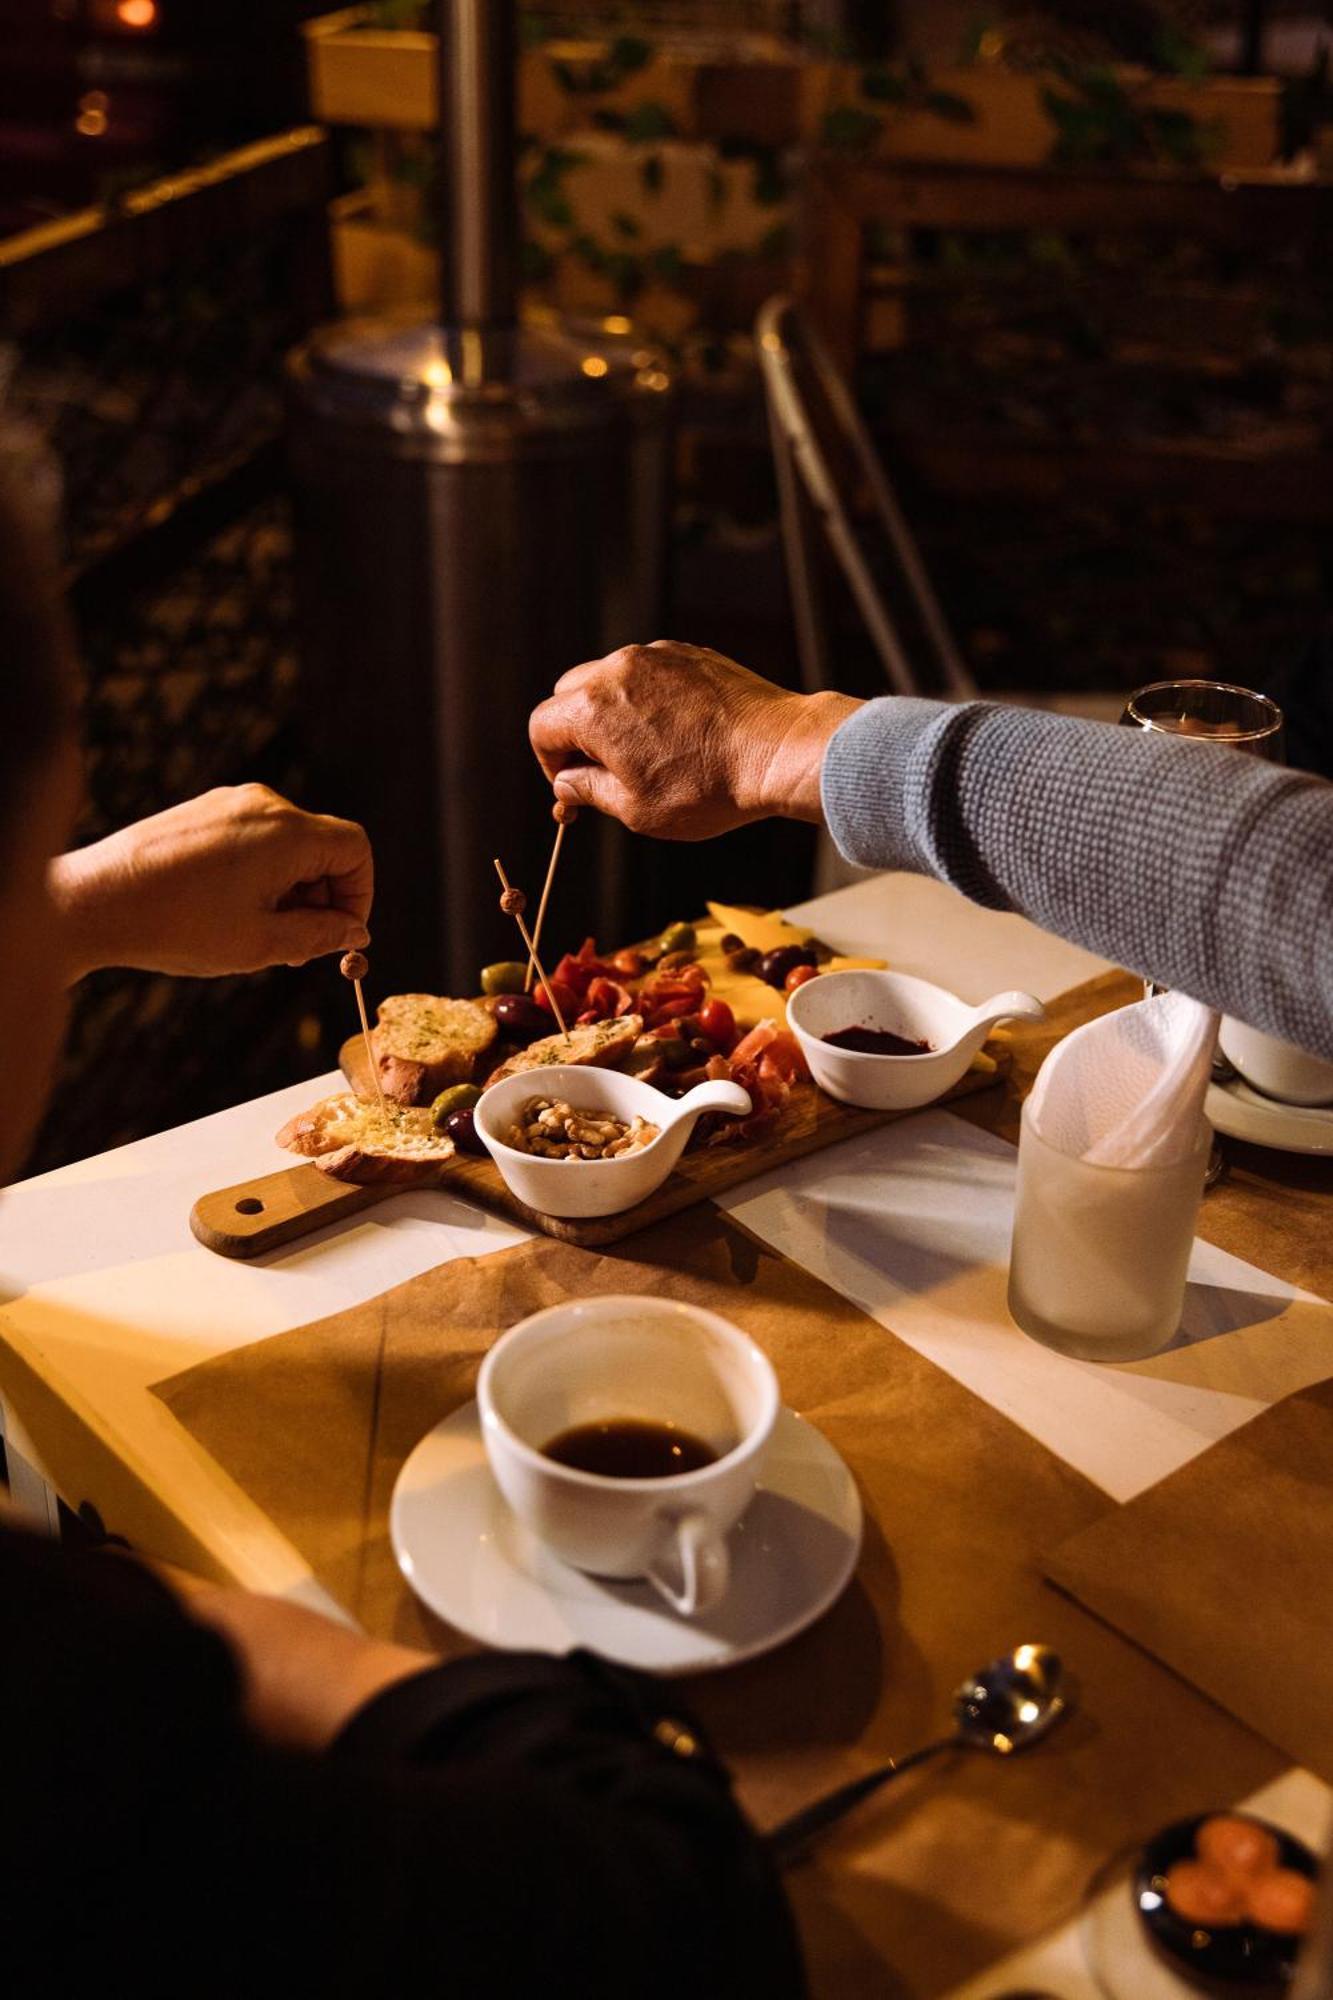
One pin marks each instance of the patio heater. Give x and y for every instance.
(480, 505)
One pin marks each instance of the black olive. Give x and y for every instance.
(775, 965)
(461, 1127)
(520, 1018)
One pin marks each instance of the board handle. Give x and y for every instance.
(260, 1215)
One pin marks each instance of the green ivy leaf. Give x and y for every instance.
(770, 182)
(1178, 53)
(550, 206)
(944, 104)
(651, 174)
(629, 54)
(649, 121)
(667, 262)
(850, 129)
(884, 86)
(589, 252)
(625, 225)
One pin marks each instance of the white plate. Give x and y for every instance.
(476, 1566)
(1242, 1113)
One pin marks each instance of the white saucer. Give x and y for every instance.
(476, 1566)
(1243, 1113)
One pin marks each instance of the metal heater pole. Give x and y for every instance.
(478, 54)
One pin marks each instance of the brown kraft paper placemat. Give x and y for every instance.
(951, 1868)
(1225, 1572)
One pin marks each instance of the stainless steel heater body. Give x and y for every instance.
(481, 505)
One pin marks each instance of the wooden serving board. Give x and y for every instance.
(261, 1215)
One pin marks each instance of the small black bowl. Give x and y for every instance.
(1228, 1958)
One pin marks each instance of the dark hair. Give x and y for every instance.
(37, 704)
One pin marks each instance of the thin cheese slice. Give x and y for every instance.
(762, 933)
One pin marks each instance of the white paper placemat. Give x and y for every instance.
(912, 1223)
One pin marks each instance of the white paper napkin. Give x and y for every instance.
(1127, 1090)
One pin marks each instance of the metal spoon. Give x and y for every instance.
(1002, 1708)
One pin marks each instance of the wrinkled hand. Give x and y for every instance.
(681, 743)
(234, 881)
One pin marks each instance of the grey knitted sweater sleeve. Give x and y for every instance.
(1193, 864)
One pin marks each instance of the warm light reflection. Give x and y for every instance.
(91, 121)
(594, 365)
(617, 323)
(437, 373)
(136, 13)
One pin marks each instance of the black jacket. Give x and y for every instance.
(505, 1825)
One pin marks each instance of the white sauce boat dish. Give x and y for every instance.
(902, 1005)
(576, 1189)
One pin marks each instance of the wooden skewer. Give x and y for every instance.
(354, 966)
(511, 902)
(564, 812)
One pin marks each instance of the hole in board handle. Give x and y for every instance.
(250, 1206)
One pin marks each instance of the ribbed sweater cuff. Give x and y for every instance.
(864, 782)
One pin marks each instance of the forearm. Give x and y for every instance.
(75, 882)
(1198, 866)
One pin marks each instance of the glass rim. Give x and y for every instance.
(1269, 728)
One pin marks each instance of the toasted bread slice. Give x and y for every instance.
(350, 1141)
(424, 1043)
(602, 1045)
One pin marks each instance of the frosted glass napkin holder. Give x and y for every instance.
(1100, 1254)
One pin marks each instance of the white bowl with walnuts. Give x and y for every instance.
(575, 1141)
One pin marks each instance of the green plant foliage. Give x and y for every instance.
(1100, 120)
(848, 129)
(649, 121)
(624, 57)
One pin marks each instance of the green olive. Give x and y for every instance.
(508, 976)
(678, 937)
(458, 1097)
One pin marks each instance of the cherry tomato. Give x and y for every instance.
(1237, 1846)
(717, 1023)
(569, 1002)
(1282, 1901)
(1202, 1894)
(629, 964)
(798, 976)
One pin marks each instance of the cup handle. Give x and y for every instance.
(694, 1574)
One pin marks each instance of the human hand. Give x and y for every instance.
(233, 881)
(682, 743)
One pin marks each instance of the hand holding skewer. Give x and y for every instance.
(513, 902)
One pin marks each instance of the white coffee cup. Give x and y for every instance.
(604, 1360)
(1277, 1069)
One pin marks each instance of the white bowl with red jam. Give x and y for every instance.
(889, 1042)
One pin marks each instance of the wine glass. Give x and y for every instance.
(1211, 712)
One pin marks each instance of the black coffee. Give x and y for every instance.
(629, 1448)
